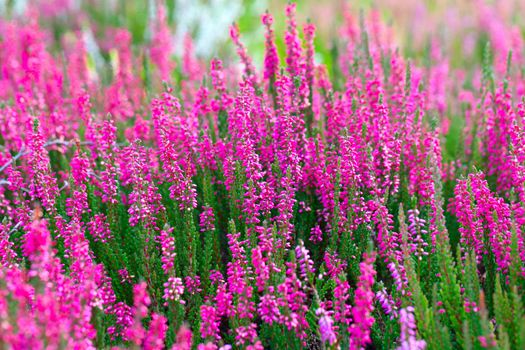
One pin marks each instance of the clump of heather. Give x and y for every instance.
(347, 200)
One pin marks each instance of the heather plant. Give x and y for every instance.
(157, 201)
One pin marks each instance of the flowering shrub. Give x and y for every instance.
(185, 205)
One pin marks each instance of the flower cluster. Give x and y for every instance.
(156, 202)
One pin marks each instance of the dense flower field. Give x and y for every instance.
(376, 203)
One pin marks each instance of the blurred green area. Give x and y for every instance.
(206, 20)
(414, 23)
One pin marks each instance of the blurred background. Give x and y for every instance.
(455, 22)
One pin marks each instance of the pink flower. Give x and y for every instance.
(409, 331)
(326, 327)
(173, 290)
(363, 304)
(207, 219)
(271, 58)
